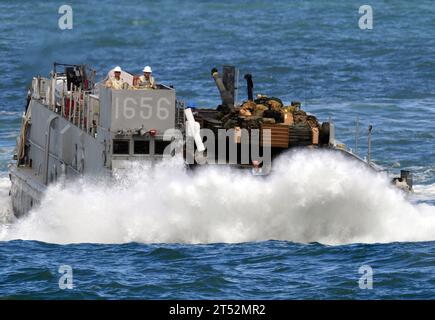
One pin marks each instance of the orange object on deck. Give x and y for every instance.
(288, 118)
(315, 135)
(69, 108)
(278, 135)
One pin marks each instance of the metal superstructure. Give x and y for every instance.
(74, 126)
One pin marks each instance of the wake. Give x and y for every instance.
(309, 197)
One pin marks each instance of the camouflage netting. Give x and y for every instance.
(270, 110)
(303, 129)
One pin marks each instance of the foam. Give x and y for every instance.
(309, 197)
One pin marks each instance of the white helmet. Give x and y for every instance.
(147, 69)
(117, 69)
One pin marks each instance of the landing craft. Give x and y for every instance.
(74, 126)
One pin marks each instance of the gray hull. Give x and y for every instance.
(26, 192)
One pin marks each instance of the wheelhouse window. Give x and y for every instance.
(141, 147)
(159, 146)
(121, 146)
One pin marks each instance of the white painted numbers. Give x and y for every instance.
(66, 280)
(66, 20)
(366, 20)
(142, 108)
(366, 280)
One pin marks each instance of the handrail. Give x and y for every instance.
(76, 110)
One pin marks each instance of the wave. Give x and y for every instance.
(6, 215)
(310, 197)
(11, 113)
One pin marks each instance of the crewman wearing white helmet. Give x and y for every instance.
(115, 82)
(147, 80)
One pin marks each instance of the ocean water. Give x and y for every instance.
(303, 232)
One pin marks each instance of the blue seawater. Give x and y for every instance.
(257, 270)
(313, 52)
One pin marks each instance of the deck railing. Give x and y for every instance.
(80, 107)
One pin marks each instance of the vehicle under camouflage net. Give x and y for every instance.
(289, 125)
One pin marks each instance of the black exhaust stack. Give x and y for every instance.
(249, 86)
(227, 86)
